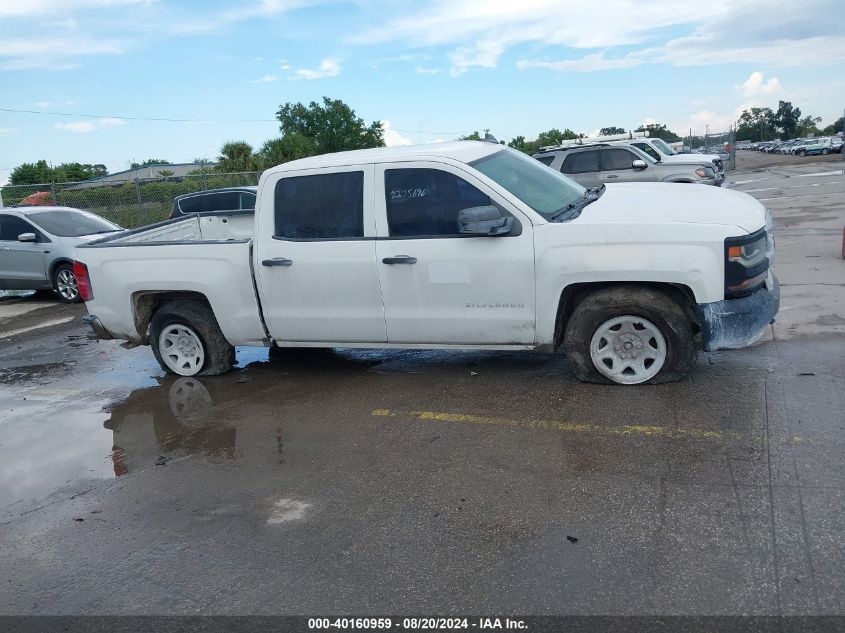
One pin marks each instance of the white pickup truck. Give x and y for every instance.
(466, 245)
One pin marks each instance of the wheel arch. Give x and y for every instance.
(573, 294)
(145, 303)
(56, 263)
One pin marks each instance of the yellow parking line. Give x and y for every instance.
(642, 430)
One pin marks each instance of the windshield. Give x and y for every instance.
(71, 223)
(545, 190)
(663, 146)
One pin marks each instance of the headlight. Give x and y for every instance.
(746, 263)
(705, 172)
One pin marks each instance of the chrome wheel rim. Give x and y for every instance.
(181, 350)
(66, 284)
(628, 349)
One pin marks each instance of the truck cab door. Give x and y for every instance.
(441, 286)
(618, 166)
(314, 257)
(22, 264)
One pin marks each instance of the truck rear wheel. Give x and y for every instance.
(629, 336)
(187, 340)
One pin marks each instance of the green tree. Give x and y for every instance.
(808, 126)
(833, 128)
(331, 127)
(236, 156)
(150, 161)
(164, 173)
(31, 173)
(756, 124)
(286, 148)
(786, 119)
(475, 136)
(75, 172)
(608, 131)
(659, 130)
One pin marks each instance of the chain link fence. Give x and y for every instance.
(129, 203)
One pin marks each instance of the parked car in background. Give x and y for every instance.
(605, 163)
(836, 144)
(214, 201)
(813, 146)
(37, 247)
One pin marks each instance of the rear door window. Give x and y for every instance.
(191, 205)
(225, 201)
(581, 163)
(546, 160)
(320, 207)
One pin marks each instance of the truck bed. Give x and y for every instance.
(207, 255)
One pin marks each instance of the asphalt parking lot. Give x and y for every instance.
(371, 482)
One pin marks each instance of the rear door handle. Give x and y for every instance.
(612, 176)
(277, 261)
(399, 259)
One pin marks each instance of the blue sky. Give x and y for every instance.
(432, 69)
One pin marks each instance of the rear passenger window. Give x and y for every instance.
(247, 200)
(324, 206)
(227, 201)
(424, 202)
(617, 159)
(546, 160)
(580, 163)
(191, 205)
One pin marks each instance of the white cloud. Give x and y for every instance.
(80, 127)
(770, 32)
(756, 85)
(421, 70)
(42, 104)
(53, 53)
(329, 67)
(7, 130)
(86, 127)
(392, 138)
(586, 64)
(266, 79)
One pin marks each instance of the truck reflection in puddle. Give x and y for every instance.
(176, 419)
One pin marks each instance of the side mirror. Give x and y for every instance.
(27, 237)
(638, 164)
(486, 220)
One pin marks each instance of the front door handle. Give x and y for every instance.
(277, 261)
(612, 176)
(399, 259)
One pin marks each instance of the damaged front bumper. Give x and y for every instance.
(736, 323)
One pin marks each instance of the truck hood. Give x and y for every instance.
(647, 202)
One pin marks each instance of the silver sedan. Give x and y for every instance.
(37, 247)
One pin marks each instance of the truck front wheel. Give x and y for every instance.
(187, 340)
(629, 336)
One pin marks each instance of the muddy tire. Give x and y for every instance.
(64, 284)
(187, 340)
(629, 335)
(825, 152)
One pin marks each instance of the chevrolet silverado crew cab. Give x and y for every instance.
(466, 245)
